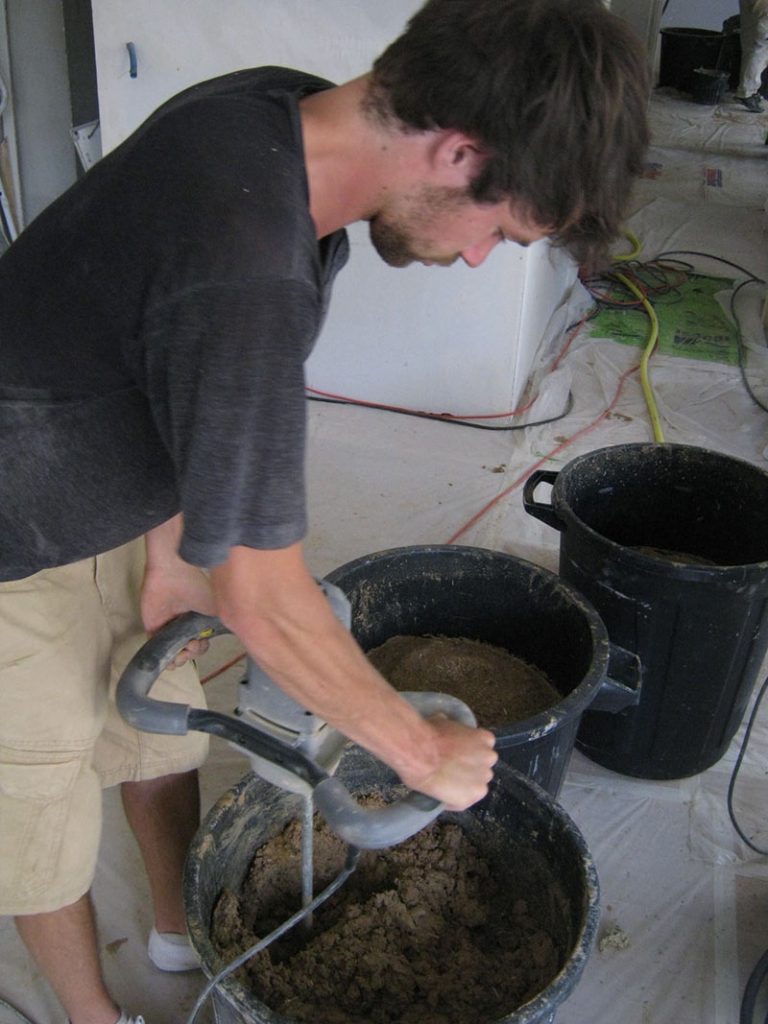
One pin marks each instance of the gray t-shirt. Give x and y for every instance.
(154, 322)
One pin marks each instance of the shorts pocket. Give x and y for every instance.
(34, 807)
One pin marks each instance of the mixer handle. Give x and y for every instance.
(146, 713)
(374, 828)
(365, 827)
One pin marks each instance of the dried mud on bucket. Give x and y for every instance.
(433, 931)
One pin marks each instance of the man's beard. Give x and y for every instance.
(391, 243)
(394, 237)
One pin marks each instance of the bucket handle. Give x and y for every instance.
(620, 689)
(368, 828)
(538, 509)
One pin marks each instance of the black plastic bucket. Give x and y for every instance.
(700, 630)
(708, 86)
(685, 49)
(498, 599)
(516, 824)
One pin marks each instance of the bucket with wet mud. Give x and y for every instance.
(669, 544)
(519, 645)
(488, 916)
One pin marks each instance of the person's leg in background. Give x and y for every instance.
(754, 52)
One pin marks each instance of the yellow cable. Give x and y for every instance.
(637, 244)
(650, 401)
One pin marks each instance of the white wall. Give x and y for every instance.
(179, 42)
(645, 18)
(37, 78)
(435, 339)
(708, 14)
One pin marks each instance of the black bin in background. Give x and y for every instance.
(683, 50)
(708, 86)
(700, 631)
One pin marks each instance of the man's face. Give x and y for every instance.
(441, 225)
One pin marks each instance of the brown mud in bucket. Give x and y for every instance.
(669, 543)
(497, 599)
(531, 850)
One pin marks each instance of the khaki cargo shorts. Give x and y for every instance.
(65, 636)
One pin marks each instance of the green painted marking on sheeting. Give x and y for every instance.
(692, 323)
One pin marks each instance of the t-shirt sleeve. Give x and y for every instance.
(225, 379)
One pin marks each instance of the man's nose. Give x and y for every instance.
(474, 255)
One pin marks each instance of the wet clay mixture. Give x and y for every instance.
(498, 686)
(428, 932)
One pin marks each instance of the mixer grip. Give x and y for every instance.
(373, 828)
(143, 712)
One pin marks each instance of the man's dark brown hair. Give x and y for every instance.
(555, 90)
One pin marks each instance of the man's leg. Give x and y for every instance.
(54, 666)
(157, 774)
(63, 942)
(164, 814)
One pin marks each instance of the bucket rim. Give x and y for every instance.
(663, 567)
(573, 703)
(709, 33)
(552, 996)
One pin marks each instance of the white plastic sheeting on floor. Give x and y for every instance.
(687, 898)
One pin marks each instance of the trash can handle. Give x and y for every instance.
(538, 509)
(621, 688)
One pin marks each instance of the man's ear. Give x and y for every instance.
(456, 159)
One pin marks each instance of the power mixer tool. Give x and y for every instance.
(287, 745)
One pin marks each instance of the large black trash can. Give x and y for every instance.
(683, 50)
(669, 543)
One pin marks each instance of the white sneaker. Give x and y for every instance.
(170, 952)
(125, 1019)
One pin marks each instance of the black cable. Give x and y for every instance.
(753, 279)
(760, 971)
(737, 766)
(742, 347)
(710, 256)
(751, 992)
(444, 419)
(651, 278)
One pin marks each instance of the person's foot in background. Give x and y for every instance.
(753, 103)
